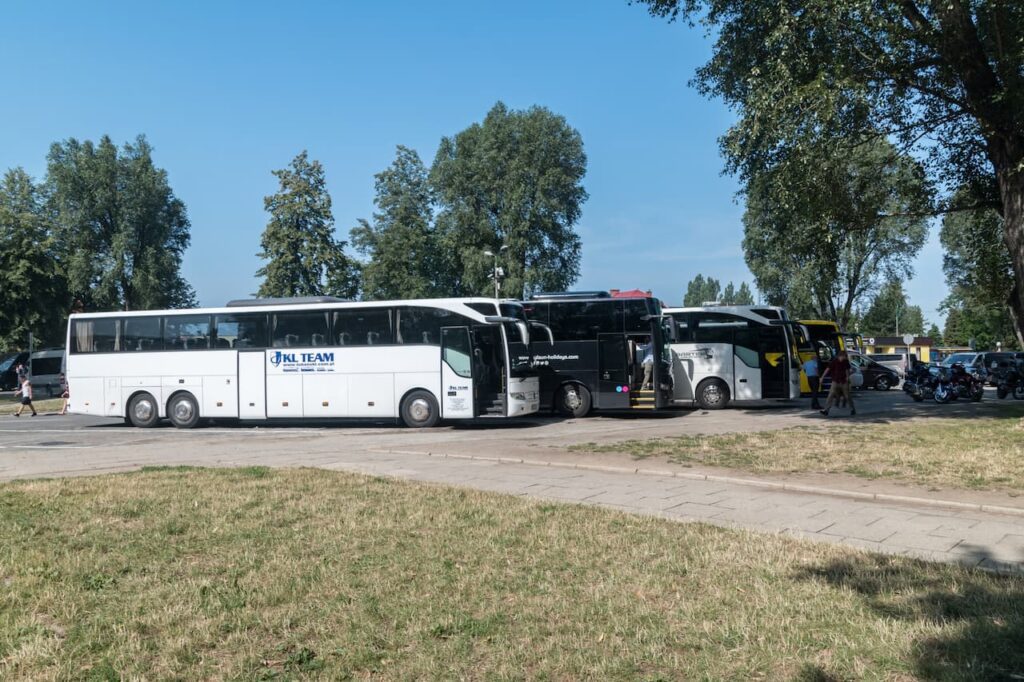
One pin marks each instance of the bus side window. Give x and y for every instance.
(142, 333)
(362, 327)
(297, 330)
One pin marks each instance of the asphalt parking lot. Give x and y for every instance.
(53, 445)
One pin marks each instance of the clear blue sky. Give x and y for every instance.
(228, 91)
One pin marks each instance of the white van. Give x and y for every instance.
(45, 368)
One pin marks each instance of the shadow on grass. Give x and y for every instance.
(981, 614)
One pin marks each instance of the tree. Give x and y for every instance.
(31, 278)
(304, 258)
(514, 180)
(821, 232)
(978, 272)
(403, 255)
(700, 291)
(934, 334)
(890, 315)
(121, 230)
(743, 295)
(943, 79)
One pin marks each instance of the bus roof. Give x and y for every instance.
(291, 305)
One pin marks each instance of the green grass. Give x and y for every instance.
(976, 452)
(257, 574)
(10, 405)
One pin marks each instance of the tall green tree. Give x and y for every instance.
(978, 273)
(701, 290)
(403, 255)
(122, 232)
(934, 334)
(891, 315)
(31, 278)
(514, 180)
(943, 79)
(303, 257)
(821, 232)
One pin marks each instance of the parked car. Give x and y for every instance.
(894, 361)
(45, 367)
(8, 363)
(876, 375)
(996, 364)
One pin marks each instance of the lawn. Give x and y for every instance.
(10, 405)
(304, 574)
(978, 452)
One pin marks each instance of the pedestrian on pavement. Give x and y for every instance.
(839, 369)
(26, 398)
(65, 393)
(812, 372)
(22, 371)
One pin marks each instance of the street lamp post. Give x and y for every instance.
(497, 272)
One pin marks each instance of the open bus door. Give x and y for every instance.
(613, 384)
(457, 395)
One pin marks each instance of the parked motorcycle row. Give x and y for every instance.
(945, 384)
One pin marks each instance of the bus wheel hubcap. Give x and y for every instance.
(183, 410)
(143, 410)
(419, 410)
(572, 399)
(712, 394)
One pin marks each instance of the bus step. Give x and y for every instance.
(493, 405)
(642, 400)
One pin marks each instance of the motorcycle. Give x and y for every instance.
(920, 382)
(964, 384)
(1010, 381)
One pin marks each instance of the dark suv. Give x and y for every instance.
(8, 364)
(876, 375)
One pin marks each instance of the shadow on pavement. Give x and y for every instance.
(981, 614)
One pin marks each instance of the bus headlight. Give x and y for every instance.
(523, 395)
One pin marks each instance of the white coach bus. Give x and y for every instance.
(725, 353)
(304, 358)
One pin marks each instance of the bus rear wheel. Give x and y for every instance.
(142, 411)
(712, 394)
(419, 410)
(573, 400)
(183, 411)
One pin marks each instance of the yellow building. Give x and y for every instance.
(921, 346)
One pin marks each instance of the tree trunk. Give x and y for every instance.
(1011, 187)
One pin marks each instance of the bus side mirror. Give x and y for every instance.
(546, 329)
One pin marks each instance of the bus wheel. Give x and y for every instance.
(419, 410)
(573, 400)
(712, 394)
(142, 411)
(183, 411)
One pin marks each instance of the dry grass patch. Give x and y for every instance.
(977, 452)
(257, 574)
(10, 406)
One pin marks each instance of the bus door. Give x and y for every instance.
(252, 384)
(613, 366)
(457, 391)
(490, 370)
(773, 348)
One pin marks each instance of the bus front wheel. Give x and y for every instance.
(183, 411)
(142, 411)
(419, 410)
(573, 400)
(712, 394)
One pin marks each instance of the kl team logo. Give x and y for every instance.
(303, 362)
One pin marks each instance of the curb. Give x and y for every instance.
(734, 480)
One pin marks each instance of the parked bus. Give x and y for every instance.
(594, 358)
(419, 361)
(726, 353)
(823, 338)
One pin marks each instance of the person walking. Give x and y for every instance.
(26, 398)
(65, 393)
(839, 369)
(812, 372)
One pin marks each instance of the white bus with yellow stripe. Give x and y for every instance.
(733, 353)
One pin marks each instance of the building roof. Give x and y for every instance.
(629, 293)
(897, 341)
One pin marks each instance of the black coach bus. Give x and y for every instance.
(596, 358)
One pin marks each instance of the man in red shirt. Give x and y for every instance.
(839, 369)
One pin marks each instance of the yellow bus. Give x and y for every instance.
(821, 338)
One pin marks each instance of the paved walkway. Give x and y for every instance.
(974, 538)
